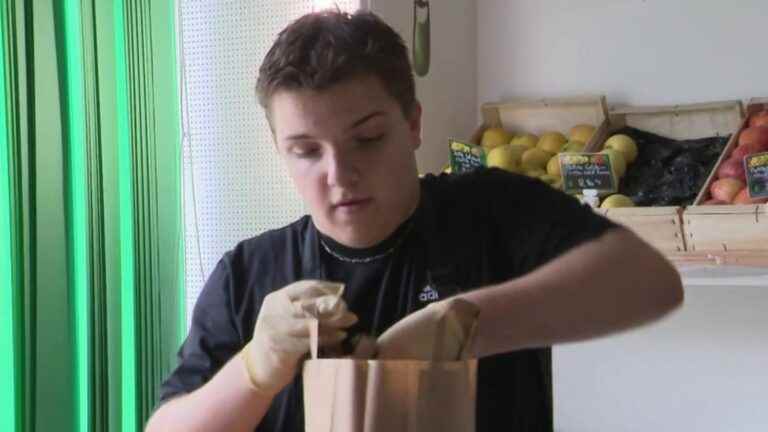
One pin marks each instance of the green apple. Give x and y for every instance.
(624, 144)
(573, 147)
(618, 162)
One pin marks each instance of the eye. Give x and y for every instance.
(305, 152)
(370, 140)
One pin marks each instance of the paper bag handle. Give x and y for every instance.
(310, 310)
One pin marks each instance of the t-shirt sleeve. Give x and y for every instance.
(213, 336)
(535, 222)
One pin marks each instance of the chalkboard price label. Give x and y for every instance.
(587, 171)
(466, 157)
(756, 168)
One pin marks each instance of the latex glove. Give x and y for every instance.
(281, 335)
(441, 331)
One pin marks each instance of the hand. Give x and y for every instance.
(442, 331)
(281, 335)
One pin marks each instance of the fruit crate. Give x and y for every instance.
(543, 115)
(662, 226)
(728, 234)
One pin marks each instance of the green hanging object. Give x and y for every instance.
(421, 38)
(10, 367)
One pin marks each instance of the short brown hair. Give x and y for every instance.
(321, 49)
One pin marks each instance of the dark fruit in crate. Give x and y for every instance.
(669, 172)
(756, 134)
(732, 168)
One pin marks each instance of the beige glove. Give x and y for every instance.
(442, 331)
(281, 335)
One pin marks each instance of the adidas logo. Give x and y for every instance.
(428, 294)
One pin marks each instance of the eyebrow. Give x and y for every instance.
(356, 123)
(365, 118)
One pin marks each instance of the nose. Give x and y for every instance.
(342, 170)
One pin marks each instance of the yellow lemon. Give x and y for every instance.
(494, 137)
(551, 142)
(550, 179)
(528, 140)
(553, 166)
(616, 201)
(624, 144)
(517, 151)
(535, 158)
(535, 172)
(582, 132)
(504, 157)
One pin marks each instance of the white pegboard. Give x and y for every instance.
(235, 186)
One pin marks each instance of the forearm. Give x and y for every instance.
(227, 402)
(612, 283)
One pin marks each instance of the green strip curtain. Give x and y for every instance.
(90, 212)
(11, 403)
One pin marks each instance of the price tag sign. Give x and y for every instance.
(587, 171)
(756, 168)
(466, 157)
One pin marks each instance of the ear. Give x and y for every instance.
(414, 124)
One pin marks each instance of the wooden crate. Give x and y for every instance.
(537, 116)
(662, 227)
(727, 229)
(754, 105)
(727, 234)
(659, 226)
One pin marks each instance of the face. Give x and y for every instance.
(350, 152)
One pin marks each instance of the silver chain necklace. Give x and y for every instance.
(370, 258)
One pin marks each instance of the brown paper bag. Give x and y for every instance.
(352, 395)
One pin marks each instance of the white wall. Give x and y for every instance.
(448, 93)
(705, 368)
(235, 185)
(638, 52)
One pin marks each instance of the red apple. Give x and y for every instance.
(757, 134)
(743, 198)
(759, 119)
(714, 202)
(726, 189)
(746, 150)
(732, 168)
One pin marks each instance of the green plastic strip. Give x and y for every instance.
(127, 247)
(9, 420)
(77, 209)
(182, 275)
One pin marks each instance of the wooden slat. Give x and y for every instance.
(726, 228)
(716, 259)
(686, 121)
(757, 104)
(694, 107)
(659, 226)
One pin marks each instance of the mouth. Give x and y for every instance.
(351, 204)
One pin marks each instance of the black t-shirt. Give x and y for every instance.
(468, 231)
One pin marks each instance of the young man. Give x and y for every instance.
(542, 269)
